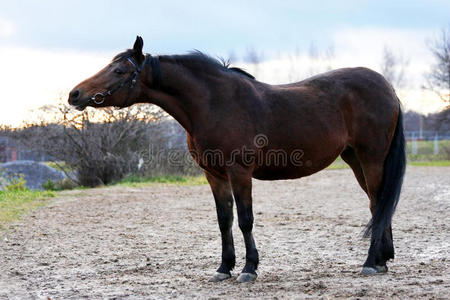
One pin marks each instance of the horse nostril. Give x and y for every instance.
(74, 96)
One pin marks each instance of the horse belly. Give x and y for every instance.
(306, 154)
(279, 174)
(290, 171)
(295, 165)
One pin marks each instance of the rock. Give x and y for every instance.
(35, 173)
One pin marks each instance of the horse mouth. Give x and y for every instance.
(81, 106)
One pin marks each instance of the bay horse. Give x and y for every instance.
(267, 132)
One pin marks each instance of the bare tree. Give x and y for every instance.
(329, 56)
(314, 59)
(318, 61)
(393, 67)
(438, 79)
(100, 146)
(252, 56)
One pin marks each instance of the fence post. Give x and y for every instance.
(414, 144)
(436, 144)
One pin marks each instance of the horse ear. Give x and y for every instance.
(138, 45)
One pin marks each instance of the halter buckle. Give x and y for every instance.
(98, 98)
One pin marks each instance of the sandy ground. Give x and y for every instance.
(162, 242)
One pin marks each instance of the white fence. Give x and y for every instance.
(413, 138)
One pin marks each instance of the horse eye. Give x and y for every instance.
(119, 71)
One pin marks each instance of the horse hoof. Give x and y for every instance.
(246, 277)
(368, 271)
(381, 269)
(219, 277)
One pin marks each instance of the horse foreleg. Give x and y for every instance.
(241, 183)
(224, 206)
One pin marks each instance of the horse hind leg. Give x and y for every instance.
(381, 246)
(369, 175)
(377, 257)
(387, 248)
(384, 178)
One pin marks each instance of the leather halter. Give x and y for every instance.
(99, 98)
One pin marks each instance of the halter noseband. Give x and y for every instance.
(99, 98)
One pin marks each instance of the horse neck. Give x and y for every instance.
(182, 95)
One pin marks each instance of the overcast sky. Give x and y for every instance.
(46, 47)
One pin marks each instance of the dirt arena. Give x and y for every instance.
(163, 241)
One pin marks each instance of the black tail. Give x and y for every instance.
(389, 193)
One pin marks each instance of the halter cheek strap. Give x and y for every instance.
(99, 98)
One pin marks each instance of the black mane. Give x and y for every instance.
(199, 60)
(195, 59)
